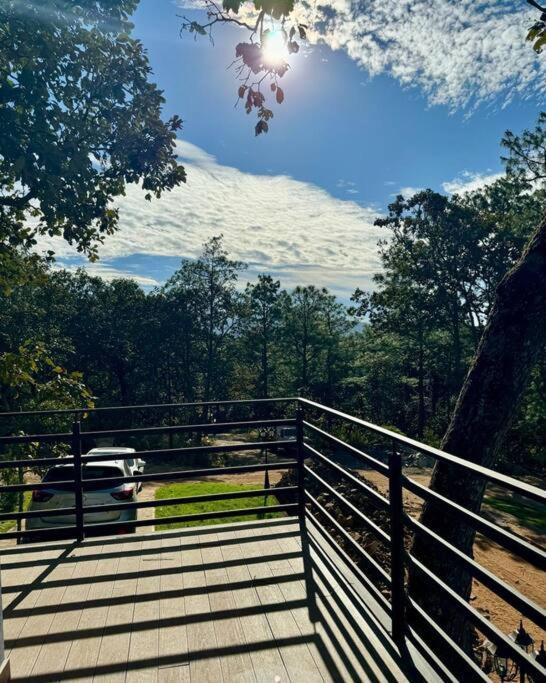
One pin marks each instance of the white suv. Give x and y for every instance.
(132, 465)
(59, 495)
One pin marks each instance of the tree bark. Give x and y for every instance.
(510, 346)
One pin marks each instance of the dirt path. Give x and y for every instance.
(509, 567)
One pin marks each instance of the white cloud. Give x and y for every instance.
(109, 272)
(468, 182)
(407, 192)
(459, 52)
(276, 224)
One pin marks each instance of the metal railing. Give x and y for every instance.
(79, 484)
(404, 611)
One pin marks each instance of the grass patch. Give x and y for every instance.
(10, 524)
(203, 488)
(527, 515)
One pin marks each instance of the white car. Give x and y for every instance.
(59, 495)
(132, 465)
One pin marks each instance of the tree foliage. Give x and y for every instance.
(272, 38)
(79, 120)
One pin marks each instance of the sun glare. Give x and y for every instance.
(274, 48)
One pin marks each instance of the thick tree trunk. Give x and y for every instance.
(511, 343)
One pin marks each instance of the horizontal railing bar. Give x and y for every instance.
(461, 654)
(204, 427)
(35, 462)
(375, 497)
(372, 526)
(55, 531)
(216, 514)
(496, 533)
(365, 580)
(483, 624)
(368, 459)
(30, 514)
(190, 499)
(160, 476)
(191, 450)
(524, 489)
(38, 438)
(248, 446)
(208, 427)
(40, 532)
(510, 595)
(145, 406)
(136, 505)
(368, 559)
(38, 486)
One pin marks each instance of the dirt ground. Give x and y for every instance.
(510, 568)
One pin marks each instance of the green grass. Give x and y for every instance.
(527, 515)
(9, 524)
(206, 487)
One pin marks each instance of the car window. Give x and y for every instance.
(89, 473)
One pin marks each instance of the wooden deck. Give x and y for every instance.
(238, 602)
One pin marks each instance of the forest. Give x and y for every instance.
(397, 355)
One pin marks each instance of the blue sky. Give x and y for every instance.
(423, 106)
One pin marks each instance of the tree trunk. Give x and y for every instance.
(511, 344)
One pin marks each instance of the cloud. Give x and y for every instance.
(107, 272)
(348, 185)
(292, 229)
(407, 192)
(460, 53)
(468, 182)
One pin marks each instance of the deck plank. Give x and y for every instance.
(53, 655)
(173, 639)
(296, 655)
(143, 659)
(267, 662)
(114, 647)
(224, 603)
(39, 625)
(84, 651)
(200, 633)
(229, 632)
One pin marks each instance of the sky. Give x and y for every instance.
(386, 97)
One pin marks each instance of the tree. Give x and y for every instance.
(209, 286)
(79, 121)
(511, 345)
(314, 326)
(337, 326)
(262, 323)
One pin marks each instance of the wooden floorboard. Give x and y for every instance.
(237, 602)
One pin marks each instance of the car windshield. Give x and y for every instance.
(65, 473)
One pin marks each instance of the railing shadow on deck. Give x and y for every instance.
(326, 606)
(308, 449)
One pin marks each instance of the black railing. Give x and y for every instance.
(404, 611)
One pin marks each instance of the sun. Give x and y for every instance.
(274, 48)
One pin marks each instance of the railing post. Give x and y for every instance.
(78, 488)
(300, 459)
(398, 593)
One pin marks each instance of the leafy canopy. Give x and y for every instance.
(79, 120)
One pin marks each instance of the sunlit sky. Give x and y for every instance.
(420, 99)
